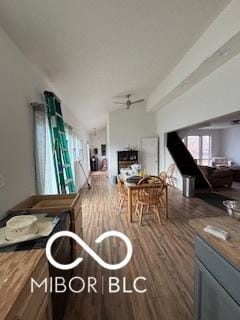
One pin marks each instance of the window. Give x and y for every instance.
(71, 146)
(44, 165)
(79, 150)
(75, 146)
(206, 150)
(200, 148)
(103, 150)
(193, 145)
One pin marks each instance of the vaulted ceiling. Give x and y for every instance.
(95, 50)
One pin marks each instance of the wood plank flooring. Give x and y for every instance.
(163, 254)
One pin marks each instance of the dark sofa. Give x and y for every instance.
(218, 177)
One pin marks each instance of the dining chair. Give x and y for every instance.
(163, 176)
(122, 194)
(170, 172)
(149, 194)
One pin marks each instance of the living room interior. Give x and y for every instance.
(214, 148)
(120, 117)
(208, 151)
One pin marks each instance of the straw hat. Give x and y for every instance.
(23, 228)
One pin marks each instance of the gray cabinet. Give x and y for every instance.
(217, 285)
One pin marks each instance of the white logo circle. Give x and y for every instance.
(92, 253)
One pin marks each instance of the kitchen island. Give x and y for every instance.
(17, 301)
(217, 270)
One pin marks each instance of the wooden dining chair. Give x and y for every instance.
(170, 172)
(122, 194)
(163, 176)
(149, 194)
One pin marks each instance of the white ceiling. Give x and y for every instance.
(95, 50)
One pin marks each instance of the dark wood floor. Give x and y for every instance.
(163, 254)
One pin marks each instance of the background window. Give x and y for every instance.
(103, 150)
(206, 150)
(200, 148)
(44, 164)
(193, 145)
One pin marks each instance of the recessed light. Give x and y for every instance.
(224, 52)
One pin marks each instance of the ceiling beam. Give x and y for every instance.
(219, 43)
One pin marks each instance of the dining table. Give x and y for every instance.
(131, 187)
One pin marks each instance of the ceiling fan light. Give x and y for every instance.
(128, 102)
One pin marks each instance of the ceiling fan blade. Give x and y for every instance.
(119, 102)
(137, 101)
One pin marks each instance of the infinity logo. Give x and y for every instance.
(99, 260)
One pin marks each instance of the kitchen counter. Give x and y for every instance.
(16, 269)
(229, 249)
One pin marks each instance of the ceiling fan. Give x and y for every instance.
(128, 102)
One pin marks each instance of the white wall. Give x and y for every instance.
(97, 138)
(126, 128)
(20, 84)
(216, 142)
(215, 96)
(231, 144)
